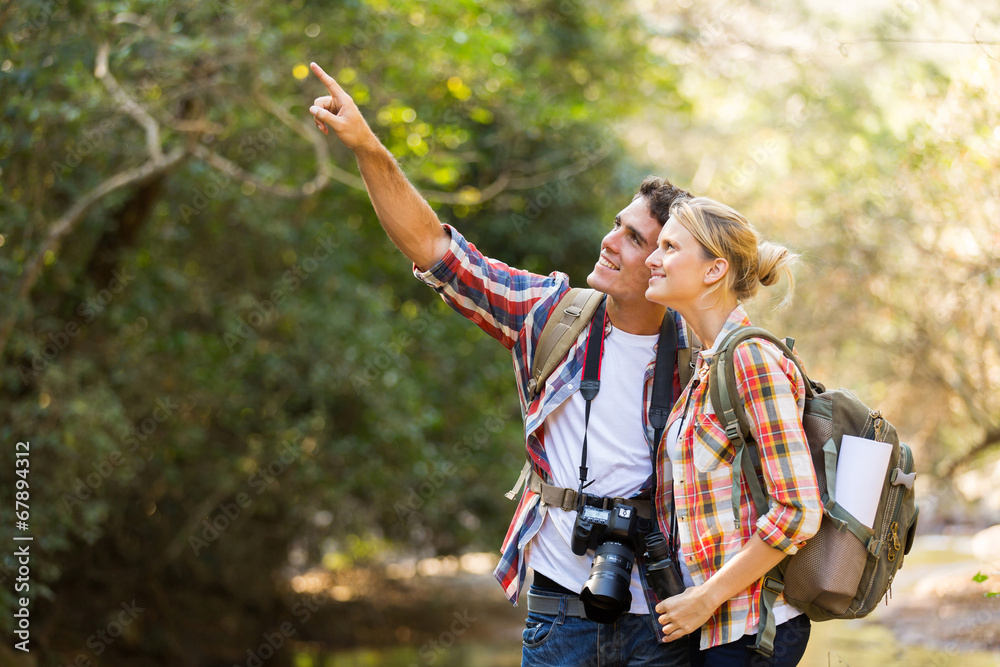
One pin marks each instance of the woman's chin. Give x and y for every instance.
(654, 294)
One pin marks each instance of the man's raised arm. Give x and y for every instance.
(405, 215)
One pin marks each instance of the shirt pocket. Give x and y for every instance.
(711, 446)
(713, 522)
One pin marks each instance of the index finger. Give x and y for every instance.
(328, 81)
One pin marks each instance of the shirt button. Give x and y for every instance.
(569, 386)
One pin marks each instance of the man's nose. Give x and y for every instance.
(611, 240)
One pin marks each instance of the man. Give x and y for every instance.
(513, 307)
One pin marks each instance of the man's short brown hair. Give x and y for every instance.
(660, 195)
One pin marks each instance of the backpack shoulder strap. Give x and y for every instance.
(732, 416)
(569, 317)
(722, 381)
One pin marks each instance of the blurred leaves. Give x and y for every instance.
(195, 327)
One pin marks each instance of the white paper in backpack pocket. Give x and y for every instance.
(861, 469)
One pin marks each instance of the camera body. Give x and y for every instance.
(595, 526)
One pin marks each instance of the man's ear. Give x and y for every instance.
(716, 270)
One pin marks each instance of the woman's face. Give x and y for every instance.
(681, 271)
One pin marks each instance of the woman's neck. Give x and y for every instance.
(708, 322)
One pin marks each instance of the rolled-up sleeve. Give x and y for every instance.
(773, 392)
(494, 296)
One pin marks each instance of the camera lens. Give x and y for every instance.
(606, 594)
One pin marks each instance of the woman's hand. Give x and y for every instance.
(682, 614)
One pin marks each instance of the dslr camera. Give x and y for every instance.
(615, 534)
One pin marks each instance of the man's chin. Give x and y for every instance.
(594, 280)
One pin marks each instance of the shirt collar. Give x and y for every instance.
(738, 318)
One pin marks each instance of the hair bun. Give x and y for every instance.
(771, 260)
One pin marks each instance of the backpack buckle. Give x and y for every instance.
(568, 501)
(773, 585)
(874, 547)
(733, 431)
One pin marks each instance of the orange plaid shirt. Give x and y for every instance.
(773, 393)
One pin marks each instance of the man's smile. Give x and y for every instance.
(605, 263)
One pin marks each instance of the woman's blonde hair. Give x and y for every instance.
(723, 232)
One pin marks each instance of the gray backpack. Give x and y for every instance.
(846, 568)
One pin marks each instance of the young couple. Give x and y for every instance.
(665, 249)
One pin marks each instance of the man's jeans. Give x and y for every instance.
(570, 641)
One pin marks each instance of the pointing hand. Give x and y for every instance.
(339, 112)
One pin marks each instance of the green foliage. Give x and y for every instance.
(226, 371)
(979, 578)
(867, 143)
(217, 369)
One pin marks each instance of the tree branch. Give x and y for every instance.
(183, 536)
(71, 218)
(239, 173)
(889, 40)
(130, 106)
(990, 439)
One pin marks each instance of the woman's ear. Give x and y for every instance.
(716, 270)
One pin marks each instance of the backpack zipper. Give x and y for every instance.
(892, 509)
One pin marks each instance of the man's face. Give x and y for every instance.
(621, 270)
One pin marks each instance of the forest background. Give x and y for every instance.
(229, 378)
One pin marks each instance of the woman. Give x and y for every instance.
(707, 262)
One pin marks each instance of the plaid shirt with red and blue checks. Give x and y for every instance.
(513, 306)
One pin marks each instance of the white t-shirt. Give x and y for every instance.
(618, 457)
(782, 612)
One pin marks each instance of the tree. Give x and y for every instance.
(866, 141)
(224, 369)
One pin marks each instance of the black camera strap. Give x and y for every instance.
(662, 399)
(663, 380)
(591, 381)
